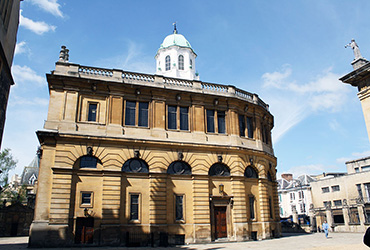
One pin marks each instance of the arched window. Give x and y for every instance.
(250, 172)
(168, 63)
(181, 62)
(179, 168)
(219, 169)
(88, 161)
(191, 63)
(135, 165)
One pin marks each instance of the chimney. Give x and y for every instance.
(287, 177)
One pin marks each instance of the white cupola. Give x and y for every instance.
(176, 58)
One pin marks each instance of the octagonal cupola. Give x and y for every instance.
(176, 58)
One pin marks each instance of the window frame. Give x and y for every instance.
(252, 208)
(183, 209)
(138, 112)
(131, 219)
(181, 62)
(178, 114)
(325, 190)
(167, 62)
(89, 104)
(338, 203)
(215, 122)
(246, 127)
(335, 188)
(87, 205)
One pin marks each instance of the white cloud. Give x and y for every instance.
(51, 6)
(21, 48)
(25, 75)
(292, 101)
(354, 156)
(36, 27)
(134, 59)
(17, 100)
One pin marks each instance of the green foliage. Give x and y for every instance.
(7, 163)
(14, 195)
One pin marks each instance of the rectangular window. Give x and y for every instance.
(179, 207)
(184, 118)
(134, 207)
(359, 190)
(327, 203)
(143, 114)
(172, 117)
(365, 168)
(92, 112)
(86, 199)
(367, 191)
(130, 116)
(325, 189)
(210, 121)
(250, 127)
(251, 207)
(241, 125)
(335, 188)
(357, 170)
(338, 203)
(137, 109)
(270, 208)
(221, 122)
(302, 206)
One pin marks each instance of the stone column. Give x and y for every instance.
(329, 216)
(311, 214)
(361, 214)
(345, 211)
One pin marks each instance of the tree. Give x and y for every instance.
(7, 163)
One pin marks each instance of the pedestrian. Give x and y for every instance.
(325, 227)
(367, 237)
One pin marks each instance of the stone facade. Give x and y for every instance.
(9, 11)
(137, 159)
(343, 201)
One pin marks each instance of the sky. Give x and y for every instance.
(289, 52)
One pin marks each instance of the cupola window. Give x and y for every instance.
(181, 62)
(168, 63)
(191, 63)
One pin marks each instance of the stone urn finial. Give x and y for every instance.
(64, 54)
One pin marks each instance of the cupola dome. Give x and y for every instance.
(176, 58)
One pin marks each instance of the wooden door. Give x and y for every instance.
(220, 222)
(84, 230)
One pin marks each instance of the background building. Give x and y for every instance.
(343, 200)
(295, 197)
(9, 11)
(137, 159)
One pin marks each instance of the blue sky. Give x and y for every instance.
(291, 53)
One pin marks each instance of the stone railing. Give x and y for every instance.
(137, 76)
(177, 82)
(95, 71)
(214, 87)
(115, 75)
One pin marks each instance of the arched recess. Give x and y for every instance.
(87, 161)
(269, 177)
(219, 169)
(135, 165)
(251, 172)
(179, 168)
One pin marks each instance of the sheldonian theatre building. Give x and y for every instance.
(135, 159)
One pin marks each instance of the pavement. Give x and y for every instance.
(316, 241)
